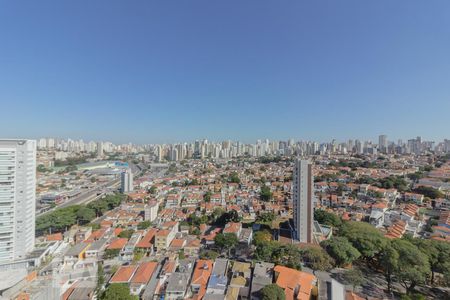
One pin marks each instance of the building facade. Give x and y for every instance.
(126, 181)
(17, 198)
(303, 194)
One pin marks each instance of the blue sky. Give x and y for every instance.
(165, 71)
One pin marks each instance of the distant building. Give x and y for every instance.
(126, 181)
(303, 201)
(151, 211)
(18, 198)
(382, 143)
(99, 149)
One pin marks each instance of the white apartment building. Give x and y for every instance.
(126, 181)
(17, 198)
(303, 194)
(151, 211)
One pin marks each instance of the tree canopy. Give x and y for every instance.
(62, 218)
(327, 218)
(272, 292)
(266, 193)
(118, 291)
(413, 267)
(341, 250)
(226, 241)
(368, 240)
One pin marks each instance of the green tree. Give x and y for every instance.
(207, 196)
(354, 277)
(438, 254)
(118, 291)
(261, 237)
(368, 240)
(272, 292)
(234, 178)
(100, 277)
(341, 250)
(208, 254)
(389, 263)
(327, 218)
(226, 217)
(152, 190)
(266, 193)
(226, 241)
(126, 233)
(316, 258)
(144, 225)
(429, 192)
(413, 267)
(85, 215)
(111, 253)
(42, 169)
(266, 217)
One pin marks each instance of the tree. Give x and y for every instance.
(144, 225)
(152, 190)
(42, 169)
(364, 237)
(438, 254)
(226, 217)
(208, 254)
(354, 277)
(316, 258)
(85, 215)
(389, 263)
(266, 193)
(261, 237)
(126, 233)
(415, 176)
(118, 291)
(341, 250)
(272, 292)
(429, 192)
(111, 253)
(100, 277)
(207, 196)
(327, 218)
(266, 217)
(226, 241)
(234, 178)
(413, 267)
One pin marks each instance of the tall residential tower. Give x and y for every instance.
(126, 181)
(303, 201)
(17, 198)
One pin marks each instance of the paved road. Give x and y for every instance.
(87, 196)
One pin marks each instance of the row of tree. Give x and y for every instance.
(61, 219)
(408, 261)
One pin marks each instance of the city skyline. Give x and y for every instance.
(176, 71)
(374, 140)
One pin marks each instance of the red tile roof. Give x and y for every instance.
(118, 243)
(123, 274)
(146, 241)
(144, 272)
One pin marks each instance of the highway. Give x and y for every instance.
(87, 196)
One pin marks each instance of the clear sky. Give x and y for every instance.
(173, 70)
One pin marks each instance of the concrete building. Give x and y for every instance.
(99, 149)
(17, 198)
(382, 143)
(151, 211)
(126, 181)
(303, 194)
